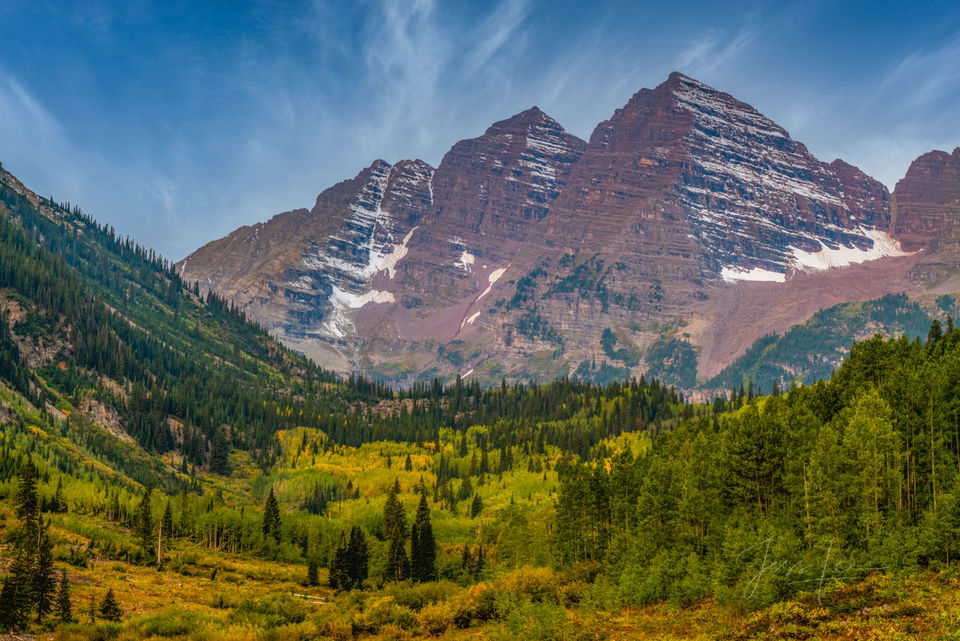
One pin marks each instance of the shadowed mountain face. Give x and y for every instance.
(529, 253)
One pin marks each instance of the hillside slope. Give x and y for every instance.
(96, 329)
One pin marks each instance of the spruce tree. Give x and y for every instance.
(144, 526)
(271, 517)
(313, 570)
(358, 556)
(395, 530)
(168, 521)
(219, 454)
(62, 606)
(423, 547)
(394, 517)
(43, 582)
(465, 491)
(16, 596)
(340, 570)
(28, 505)
(476, 506)
(478, 563)
(466, 559)
(109, 608)
(398, 563)
(59, 505)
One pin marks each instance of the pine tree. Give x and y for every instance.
(43, 581)
(144, 526)
(59, 505)
(408, 464)
(28, 505)
(109, 608)
(476, 506)
(423, 547)
(478, 563)
(466, 559)
(313, 570)
(168, 520)
(466, 489)
(219, 454)
(395, 530)
(62, 607)
(16, 596)
(394, 517)
(271, 517)
(358, 556)
(340, 570)
(398, 563)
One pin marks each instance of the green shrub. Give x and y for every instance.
(436, 618)
(478, 603)
(275, 609)
(171, 623)
(335, 629)
(525, 619)
(536, 584)
(418, 595)
(602, 595)
(382, 612)
(87, 632)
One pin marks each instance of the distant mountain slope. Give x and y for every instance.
(812, 350)
(97, 330)
(526, 246)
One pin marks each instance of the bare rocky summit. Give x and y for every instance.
(529, 253)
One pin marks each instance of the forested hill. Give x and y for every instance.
(95, 328)
(103, 337)
(863, 470)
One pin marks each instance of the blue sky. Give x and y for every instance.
(177, 122)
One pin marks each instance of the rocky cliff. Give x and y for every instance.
(531, 253)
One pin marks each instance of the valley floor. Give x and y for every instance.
(199, 595)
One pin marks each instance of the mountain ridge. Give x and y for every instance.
(525, 244)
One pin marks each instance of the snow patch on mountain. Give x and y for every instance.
(882, 245)
(491, 279)
(733, 274)
(338, 322)
(465, 262)
(470, 320)
(388, 261)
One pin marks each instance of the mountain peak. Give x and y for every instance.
(680, 190)
(523, 121)
(677, 78)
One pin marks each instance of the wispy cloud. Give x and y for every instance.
(713, 50)
(196, 122)
(494, 32)
(924, 77)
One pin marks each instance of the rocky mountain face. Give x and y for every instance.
(529, 253)
(928, 202)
